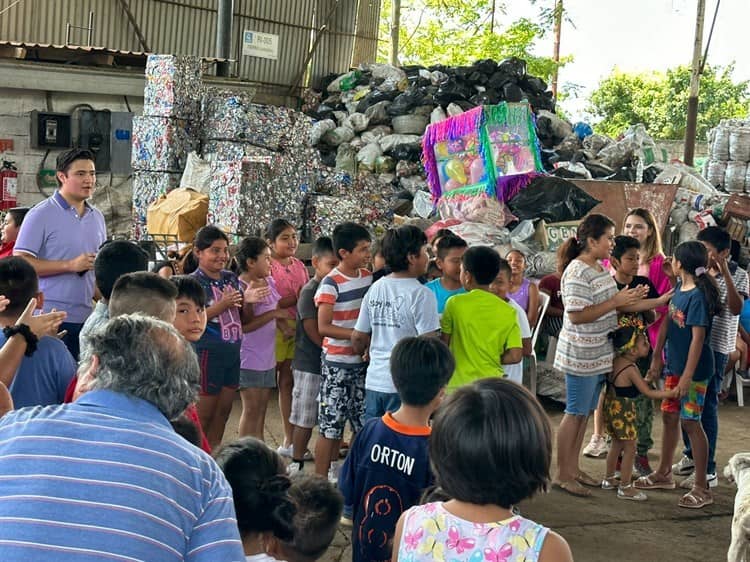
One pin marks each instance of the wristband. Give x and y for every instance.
(28, 335)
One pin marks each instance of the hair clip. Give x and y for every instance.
(699, 271)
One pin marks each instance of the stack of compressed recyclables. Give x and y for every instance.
(167, 131)
(261, 162)
(729, 156)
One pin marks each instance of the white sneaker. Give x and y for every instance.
(333, 472)
(684, 466)
(689, 482)
(597, 447)
(285, 451)
(292, 468)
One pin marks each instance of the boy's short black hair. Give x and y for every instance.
(187, 430)
(18, 214)
(319, 507)
(114, 259)
(189, 288)
(421, 366)
(483, 263)
(259, 486)
(717, 237)
(504, 267)
(623, 244)
(322, 246)
(441, 233)
(491, 443)
(400, 243)
(448, 243)
(347, 235)
(65, 159)
(19, 283)
(142, 292)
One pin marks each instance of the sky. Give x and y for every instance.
(639, 35)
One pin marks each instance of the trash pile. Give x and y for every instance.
(729, 154)
(574, 151)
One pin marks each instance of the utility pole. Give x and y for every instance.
(695, 82)
(224, 36)
(556, 46)
(395, 25)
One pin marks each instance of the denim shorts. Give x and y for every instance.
(378, 403)
(582, 393)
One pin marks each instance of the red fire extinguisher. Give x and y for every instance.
(9, 184)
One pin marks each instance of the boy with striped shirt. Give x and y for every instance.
(339, 297)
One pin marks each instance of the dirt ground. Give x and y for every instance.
(602, 528)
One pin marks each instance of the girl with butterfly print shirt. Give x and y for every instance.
(485, 474)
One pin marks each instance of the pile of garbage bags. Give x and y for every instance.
(574, 151)
(371, 119)
(729, 154)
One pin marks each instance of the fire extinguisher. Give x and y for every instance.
(9, 184)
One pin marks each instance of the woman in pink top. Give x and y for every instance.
(290, 275)
(641, 225)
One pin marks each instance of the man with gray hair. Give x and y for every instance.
(106, 476)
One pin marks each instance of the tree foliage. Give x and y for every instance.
(659, 101)
(460, 32)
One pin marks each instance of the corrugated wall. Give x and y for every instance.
(189, 27)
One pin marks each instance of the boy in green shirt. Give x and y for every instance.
(480, 328)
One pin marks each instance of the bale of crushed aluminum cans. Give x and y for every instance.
(147, 188)
(172, 87)
(230, 115)
(162, 143)
(324, 212)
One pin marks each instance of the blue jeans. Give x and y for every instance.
(378, 403)
(710, 416)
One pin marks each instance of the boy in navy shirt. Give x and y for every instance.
(44, 373)
(388, 468)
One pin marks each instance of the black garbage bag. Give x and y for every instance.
(650, 173)
(513, 66)
(532, 84)
(327, 156)
(374, 97)
(498, 80)
(404, 103)
(325, 81)
(485, 66)
(412, 69)
(513, 93)
(552, 199)
(549, 159)
(463, 72)
(411, 152)
(623, 173)
(541, 101)
(597, 169)
(466, 105)
(323, 112)
(451, 92)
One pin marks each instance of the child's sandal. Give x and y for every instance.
(610, 482)
(630, 493)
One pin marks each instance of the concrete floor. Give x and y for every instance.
(601, 527)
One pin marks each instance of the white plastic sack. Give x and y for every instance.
(423, 204)
(409, 124)
(375, 134)
(719, 141)
(197, 174)
(386, 71)
(454, 109)
(346, 158)
(715, 172)
(739, 144)
(357, 121)
(437, 115)
(339, 135)
(367, 155)
(734, 180)
(320, 128)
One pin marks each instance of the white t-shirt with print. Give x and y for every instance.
(394, 308)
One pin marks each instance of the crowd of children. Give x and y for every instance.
(367, 340)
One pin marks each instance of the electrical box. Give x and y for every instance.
(93, 134)
(50, 130)
(108, 135)
(121, 142)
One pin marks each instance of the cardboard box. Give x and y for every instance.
(738, 206)
(552, 235)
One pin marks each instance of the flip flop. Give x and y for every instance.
(573, 488)
(587, 480)
(694, 500)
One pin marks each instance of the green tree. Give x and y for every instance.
(659, 101)
(460, 32)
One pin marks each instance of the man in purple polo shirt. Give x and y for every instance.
(60, 237)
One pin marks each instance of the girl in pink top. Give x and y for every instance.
(257, 353)
(290, 275)
(522, 290)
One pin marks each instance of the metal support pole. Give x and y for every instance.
(556, 46)
(224, 36)
(134, 25)
(695, 82)
(90, 34)
(395, 26)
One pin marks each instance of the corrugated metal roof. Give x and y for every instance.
(188, 27)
